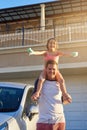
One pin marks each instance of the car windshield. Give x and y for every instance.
(10, 98)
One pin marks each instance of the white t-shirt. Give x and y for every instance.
(50, 104)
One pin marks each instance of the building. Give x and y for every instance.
(31, 26)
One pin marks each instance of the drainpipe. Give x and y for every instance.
(42, 16)
(23, 36)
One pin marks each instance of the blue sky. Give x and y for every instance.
(14, 3)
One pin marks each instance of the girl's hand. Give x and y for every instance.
(30, 51)
(74, 54)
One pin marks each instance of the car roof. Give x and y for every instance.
(13, 85)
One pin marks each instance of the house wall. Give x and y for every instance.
(10, 57)
(76, 113)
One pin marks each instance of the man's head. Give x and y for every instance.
(51, 69)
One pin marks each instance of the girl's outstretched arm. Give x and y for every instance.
(72, 54)
(37, 53)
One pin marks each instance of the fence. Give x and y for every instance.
(36, 36)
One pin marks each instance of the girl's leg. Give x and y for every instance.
(38, 87)
(66, 97)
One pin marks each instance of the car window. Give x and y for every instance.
(10, 99)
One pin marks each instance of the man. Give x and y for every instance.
(51, 115)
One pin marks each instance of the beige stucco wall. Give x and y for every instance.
(17, 65)
(19, 56)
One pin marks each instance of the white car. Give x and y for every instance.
(15, 110)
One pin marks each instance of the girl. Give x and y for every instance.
(52, 53)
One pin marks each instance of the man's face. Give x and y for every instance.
(51, 71)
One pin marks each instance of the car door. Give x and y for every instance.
(27, 123)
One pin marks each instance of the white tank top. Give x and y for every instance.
(50, 104)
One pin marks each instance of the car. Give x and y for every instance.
(17, 111)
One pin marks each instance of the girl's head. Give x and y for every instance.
(52, 44)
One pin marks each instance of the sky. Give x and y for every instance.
(15, 3)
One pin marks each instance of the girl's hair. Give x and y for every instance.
(54, 40)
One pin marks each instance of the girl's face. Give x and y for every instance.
(52, 45)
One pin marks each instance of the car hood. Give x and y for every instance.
(5, 117)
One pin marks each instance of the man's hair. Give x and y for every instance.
(52, 62)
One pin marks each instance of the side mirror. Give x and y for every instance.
(32, 111)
